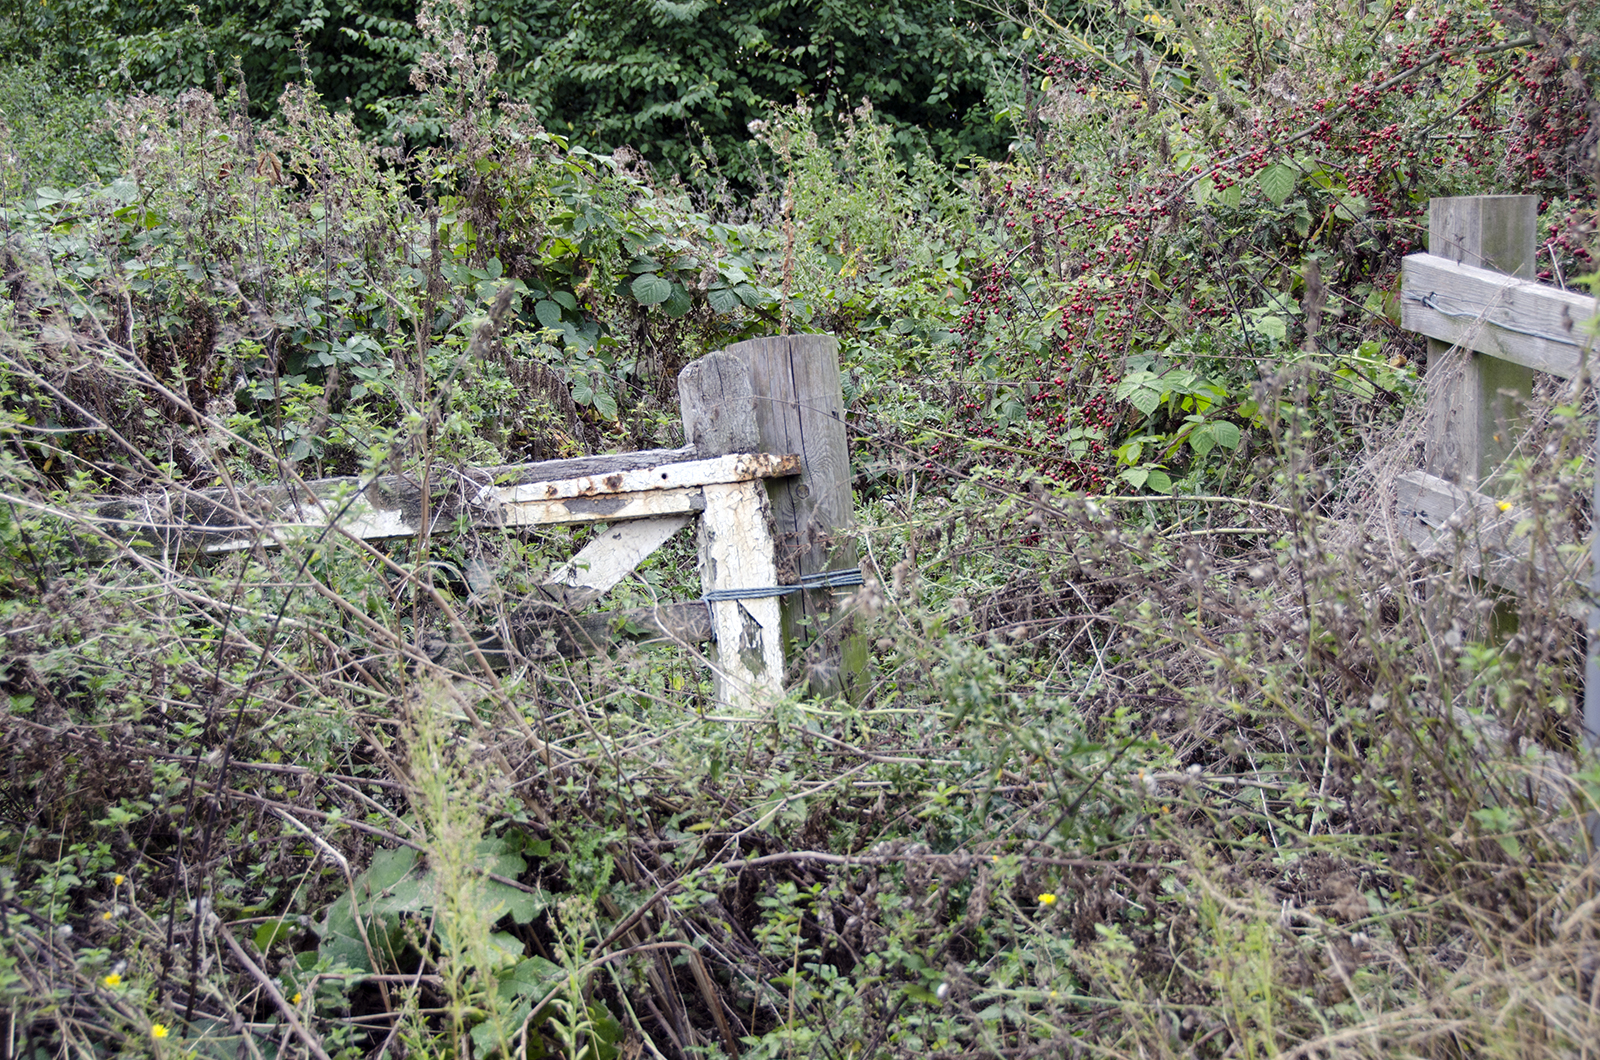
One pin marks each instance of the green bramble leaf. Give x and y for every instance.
(651, 289)
(1277, 181)
(548, 312)
(678, 302)
(1225, 434)
(723, 299)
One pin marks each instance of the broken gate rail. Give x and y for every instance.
(780, 393)
(626, 486)
(645, 497)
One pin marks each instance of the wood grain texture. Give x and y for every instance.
(799, 408)
(736, 552)
(603, 509)
(1447, 523)
(1474, 421)
(1531, 324)
(718, 406)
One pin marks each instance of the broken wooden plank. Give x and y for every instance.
(223, 520)
(1527, 323)
(609, 558)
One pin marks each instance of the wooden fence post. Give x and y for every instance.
(799, 405)
(792, 385)
(1473, 425)
(737, 550)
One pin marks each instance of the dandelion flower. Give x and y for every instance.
(1047, 899)
(112, 980)
(158, 1031)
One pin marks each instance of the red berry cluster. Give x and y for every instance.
(1090, 270)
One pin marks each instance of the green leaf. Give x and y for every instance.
(1277, 182)
(723, 299)
(1136, 476)
(1273, 327)
(920, 993)
(678, 302)
(605, 404)
(582, 390)
(533, 978)
(548, 312)
(1145, 400)
(1225, 434)
(1200, 440)
(1204, 189)
(271, 932)
(651, 289)
(1351, 207)
(1160, 481)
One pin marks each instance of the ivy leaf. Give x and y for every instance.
(651, 289)
(1277, 181)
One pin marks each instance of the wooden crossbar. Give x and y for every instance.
(759, 514)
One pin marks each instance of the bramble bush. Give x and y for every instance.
(1197, 204)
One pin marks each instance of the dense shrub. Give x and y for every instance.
(1170, 747)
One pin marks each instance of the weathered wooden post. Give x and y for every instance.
(791, 384)
(738, 565)
(1473, 424)
(1507, 329)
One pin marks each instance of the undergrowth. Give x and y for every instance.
(1193, 758)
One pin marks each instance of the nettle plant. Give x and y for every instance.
(1196, 204)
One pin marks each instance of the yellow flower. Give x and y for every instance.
(107, 915)
(112, 980)
(1047, 899)
(158, 1031)
(1505, 506)
(296, 999)
(116, 881)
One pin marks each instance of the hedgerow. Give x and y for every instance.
(1170, 747)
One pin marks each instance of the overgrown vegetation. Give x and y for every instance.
(1172, 746)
